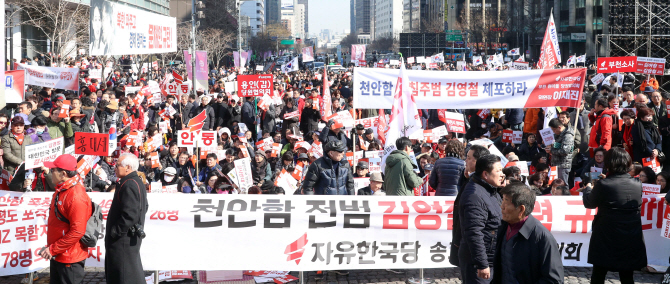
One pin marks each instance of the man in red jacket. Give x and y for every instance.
(63, 248)
(601, 133)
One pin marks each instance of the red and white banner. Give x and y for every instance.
(48, 151)
(550, 52)
(14, 86)
(309, 233)
(254, 85)
(358, 54)
(617, 64)
(52, 77)
(455, 121)
(307, 54)
(373, 88)
(649, 65)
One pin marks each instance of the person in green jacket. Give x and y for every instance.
(58, 126)
(399, 172)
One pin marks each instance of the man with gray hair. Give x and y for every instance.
(525, 251)
(125, 225)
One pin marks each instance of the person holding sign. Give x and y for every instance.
(617, 223)
(69, 212)
(58, 126)
(561, 150)
(289, 121)
(330, 174)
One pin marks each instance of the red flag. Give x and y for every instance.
(177, 78)
(195, 124)
(550, 53)
(326, 108)
(382, 126)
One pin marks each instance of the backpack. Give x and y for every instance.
(93, 226)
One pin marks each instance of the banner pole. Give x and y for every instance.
(302, 278)
(421, 275)
(156, 277)
(32, 276)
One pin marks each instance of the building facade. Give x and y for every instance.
(362, 17)
(306, 4)
(272, 12)
(255, 11)
(424, 16)
(388, 18)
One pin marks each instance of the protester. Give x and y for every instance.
(525, 251)
(330, 174)
(376, 183)
(561, 150)
(448, 170)
(646, 137)
(618, 198)
(400, 176)
(480, 217)
(68, 216)
(125, 225)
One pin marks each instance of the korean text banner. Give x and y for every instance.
(307, 232)
(119, 30)
(14, 86)
(373, 88)
(52, 77)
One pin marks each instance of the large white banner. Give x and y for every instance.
(52, 77)
(373, 88)
(120, 30)
(300, 233)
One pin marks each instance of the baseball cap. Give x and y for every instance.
(66, 162)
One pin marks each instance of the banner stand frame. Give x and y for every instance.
(32, 277)
(302, 279)
(156, 281)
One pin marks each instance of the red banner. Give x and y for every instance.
(649, 65)
(254, 85)
(14, 86)
(617, 64)
(95, 144)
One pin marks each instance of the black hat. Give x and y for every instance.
(303, 156)
(428, 167)
(363, 165)
(443, 140)
(335, 145)
(368, 131)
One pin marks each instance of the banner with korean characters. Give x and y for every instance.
(254, 85)
(467, 90)
(48, 151)
(117, 29)
(650, 65)
(308, 232)
(51, 77)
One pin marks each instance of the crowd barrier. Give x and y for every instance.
(300, 233)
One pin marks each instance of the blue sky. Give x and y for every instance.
(328, 14)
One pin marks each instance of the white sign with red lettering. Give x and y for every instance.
(455, 121)
(297, 243)
(547, 136)
(243, 172)
(48, 151)
(650, 189)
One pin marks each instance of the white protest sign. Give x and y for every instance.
(47, 151)
(650, 189)
(243, 173)
(547, 136)
(517, 136)
(597, 79)
(361, 183)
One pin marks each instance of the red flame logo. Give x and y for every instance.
(295, 249)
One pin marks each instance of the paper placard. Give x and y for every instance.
(547, 136)
(650, 189)
(517, 137)
(47, 151)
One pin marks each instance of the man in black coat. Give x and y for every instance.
(526, 252)
(328, 135)
(480, 218)
(376, 183)
(123, 264)
(183, 111)
(210, 121)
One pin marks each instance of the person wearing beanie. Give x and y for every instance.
(261, 171)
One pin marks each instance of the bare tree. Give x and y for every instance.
(64, 23)
(348, 40)
(217, 43)
(434, 25)
(277, 30)
(384, 44)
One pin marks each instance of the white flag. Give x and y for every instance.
(550, 53)
(477, 60)
(572, 60)
(513, 52)
(500, 59)
(290, 66)
(520, 59)
(405, 119)
(581, 59)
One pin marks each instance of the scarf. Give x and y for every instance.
(68, 183)
(642, 127)
(19, 138)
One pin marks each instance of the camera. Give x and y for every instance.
(137, 230)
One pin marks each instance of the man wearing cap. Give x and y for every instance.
(376, 183)
(362, 170)
(110, 116)
(369, 137)
(330, 174)
(59, 127)
(14, 144)
(69, 212)
(123, 264)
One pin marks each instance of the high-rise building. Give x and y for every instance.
(272, 12)
(388, 18)
(306, 3)
(352, 15)
(299, 26)
(362, 17)
(423, 16)
(255, 10)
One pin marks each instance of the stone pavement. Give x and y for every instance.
(573, 275)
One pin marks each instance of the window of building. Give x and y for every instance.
(598, 24)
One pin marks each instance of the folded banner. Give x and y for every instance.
(308, 232)
(373, 88)
(52, 77)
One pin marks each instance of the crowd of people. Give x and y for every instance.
(587, 156)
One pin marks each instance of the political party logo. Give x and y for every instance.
(295, 249)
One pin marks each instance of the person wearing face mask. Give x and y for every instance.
(169, 177)
(646, 137)
(41, 133)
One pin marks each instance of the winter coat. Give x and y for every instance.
(207, 173)
(643, 150)
(123, 264)
(309, 120)
(617, 242)
(480, 215)
(269, 124)
(59, 129)
(536, 258)
(13, 152)
(514, 116)
(248, 114)
(167, 161)
(476, 130)
(584, 174)
(445, 176)
(63, 238)
(530, 120)
(561, 151)
(291, 123)
(261, 172)
(235, 115)
(323, 178)
(328, 135)
(82, 126)
(222, 114)
(527, 152)
(400, 178)
(137, 114)
(601, 132)
(39, 138)
(104, 120)
(185, 112)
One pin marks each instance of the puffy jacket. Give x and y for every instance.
(322, 179)
(480, 215)
(602, 128)
(530, 121)
(63, 238)
(59, 129)
(652, 83)
(514, 116)
(400, 178)
(13, 152)
(561, 151)
(445, 176)
(328, 135)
